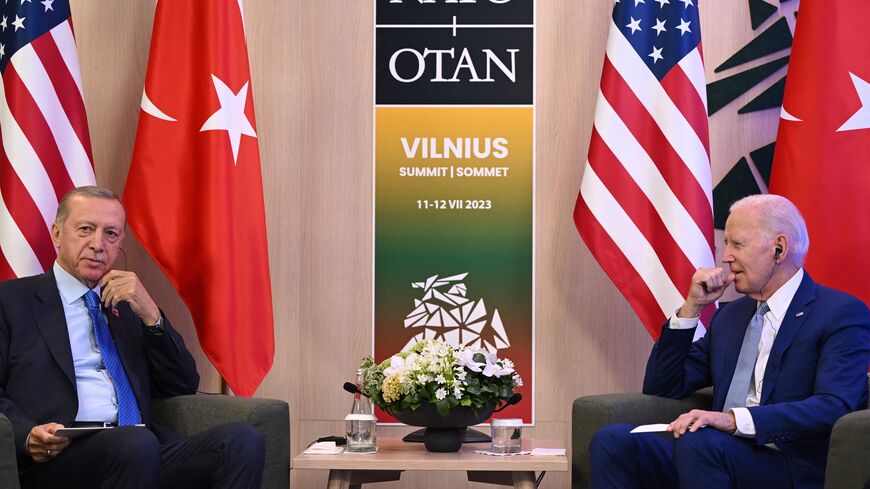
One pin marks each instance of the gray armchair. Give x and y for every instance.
(191, 414)
(847, 458)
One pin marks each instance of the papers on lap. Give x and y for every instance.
(651, 428)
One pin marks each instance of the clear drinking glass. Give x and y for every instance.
(361, 423)
(507, 435)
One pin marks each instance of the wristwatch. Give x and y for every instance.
(158, 324)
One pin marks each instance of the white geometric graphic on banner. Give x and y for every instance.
(445, 312)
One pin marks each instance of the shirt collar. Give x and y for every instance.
(781, 299)
(69, 287)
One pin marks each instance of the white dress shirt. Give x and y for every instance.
(778, 305)
(96, 392)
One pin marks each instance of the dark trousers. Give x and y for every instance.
(707, 459)
(228, 456)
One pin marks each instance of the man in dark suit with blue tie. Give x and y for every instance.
(83, 344)
(785, 362)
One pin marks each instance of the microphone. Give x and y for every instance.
(352, 388)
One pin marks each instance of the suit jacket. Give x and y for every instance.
(816, 373)
(37, 377)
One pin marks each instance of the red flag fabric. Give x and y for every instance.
(645, 207)
(194, 193)
(823, 145)
(45, 149)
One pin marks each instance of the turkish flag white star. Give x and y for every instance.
(231, 115)
(861, 118)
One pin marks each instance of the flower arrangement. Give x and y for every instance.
(448, 376)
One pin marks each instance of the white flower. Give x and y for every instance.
(423, 379)
(461, 374)
(518, 380)
(466, 359)
(507, 363)
(457, 392)
(397, 365)
(494, 369)
(441, 393)
(440, 379)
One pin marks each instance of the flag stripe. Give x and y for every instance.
(32, 123)
(647, 132)
(645, 173)
(16, 250)
(613, 219)
(5, 269)
(25, 214)
(36, 79)
(688, 103)
(642, 213)
(658, 103)
(619, 269)
(74, 106)
(24, 159)
(65, 41)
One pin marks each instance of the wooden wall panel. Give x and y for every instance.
(311, 63)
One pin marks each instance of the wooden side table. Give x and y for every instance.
(351, 470)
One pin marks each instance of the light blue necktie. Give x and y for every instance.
(128, 408)
(739, 389)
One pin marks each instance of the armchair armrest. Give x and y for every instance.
(849, 452)
(189, 415)
(592, 412)
(8, 464)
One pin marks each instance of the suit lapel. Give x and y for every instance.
(797, 313)
(736, 324)
(51, 322)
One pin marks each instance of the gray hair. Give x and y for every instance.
(780, 216)
(86, 191)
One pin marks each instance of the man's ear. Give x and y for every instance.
(780, 244)
(55, 234)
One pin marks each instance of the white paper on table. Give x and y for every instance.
(324, 448)
(501, 454)
(651, 428)
(548, 451)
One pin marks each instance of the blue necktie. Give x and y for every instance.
(739, 389)
(128, 408)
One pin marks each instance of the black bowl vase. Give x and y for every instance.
(443, 433)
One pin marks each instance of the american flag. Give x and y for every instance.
(46, 149)
(645, 208)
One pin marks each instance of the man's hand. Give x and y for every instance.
(43, 445)
(120, 285)
(708, 285)
(697, 419)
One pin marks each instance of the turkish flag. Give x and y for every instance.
(194, 193)
(822, 158)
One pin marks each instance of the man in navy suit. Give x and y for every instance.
(785, 362)
(83, 344)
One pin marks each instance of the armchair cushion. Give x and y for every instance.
(8, 466)
(849, 452)
(189, 415)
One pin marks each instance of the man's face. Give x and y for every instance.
(89, 239)
(748, 252)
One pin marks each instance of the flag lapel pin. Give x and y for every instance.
(799, 314)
